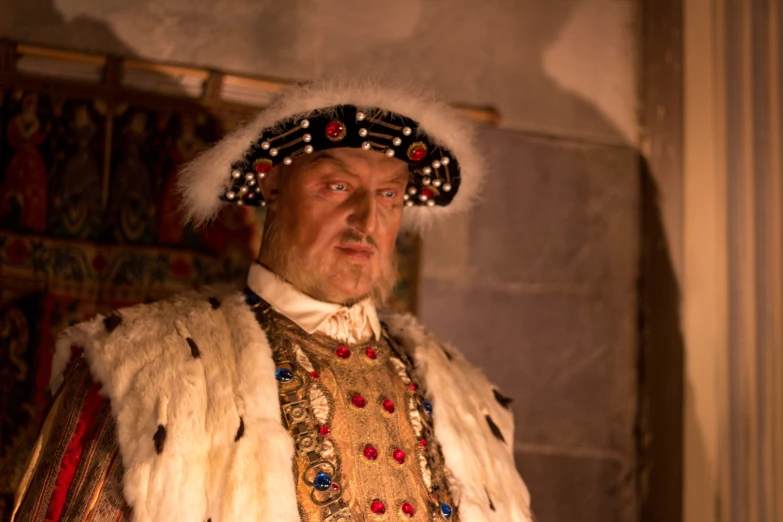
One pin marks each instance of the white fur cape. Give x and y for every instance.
(191, 368)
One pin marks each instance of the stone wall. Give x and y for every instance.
(541, 292)
(538, 285)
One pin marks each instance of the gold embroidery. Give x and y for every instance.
(332, 427)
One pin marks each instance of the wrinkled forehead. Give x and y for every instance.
(367, 166)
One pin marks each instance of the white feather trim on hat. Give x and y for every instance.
(207, 177)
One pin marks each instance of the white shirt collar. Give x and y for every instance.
(346, 324)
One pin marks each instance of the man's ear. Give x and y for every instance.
(270, 187)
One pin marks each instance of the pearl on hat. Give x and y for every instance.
(412, 191)
(287, 160)
(445, 160)
(407, 131)
(425, 181)
(363, 132)
(236, 173)
(249, 176)
(304, 124)
(409, 203)
(251, 182)
(435, 164)
(422, 197)
(397, 141)
(366, 145)
(306, 138)
(242, 189)
(262, 175)
(265, 145)
(309, 149)
(230, 195)
(436, 182)
(359, 116)
(447, 187)
(406, 197)
(390, 153)
(426, 170)
(273, 152)
(431, 203)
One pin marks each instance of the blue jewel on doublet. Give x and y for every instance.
(284, 375)
(446, 510)
(427, 407)
(251, 298)
(322, 482)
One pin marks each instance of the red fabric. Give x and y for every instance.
(85, 426)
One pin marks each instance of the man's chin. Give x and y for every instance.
(346, 296)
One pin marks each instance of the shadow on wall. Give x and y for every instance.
(484, 53)
(475, 52)
(661, 368)
(39, 21)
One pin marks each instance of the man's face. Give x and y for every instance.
(332, 221)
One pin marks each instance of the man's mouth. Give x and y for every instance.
(357, 252)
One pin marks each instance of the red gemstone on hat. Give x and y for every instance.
(358, 401)
(427, 192)
(326, 431)
(399, 456)
(388, 406)
(370, 453)
(378, 508)
(412, 386)
(418, 153)
(334, 129)
(343, 352)
(315, 375)
(263, 168)
(408, 510)
(372, 354)
(423, 443)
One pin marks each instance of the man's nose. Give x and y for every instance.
(363, 215)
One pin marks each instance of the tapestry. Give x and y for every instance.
(89, 223)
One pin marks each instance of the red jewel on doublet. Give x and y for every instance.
(399, 456)
(423, 443)
(358, 401)
(412, 386)
(315, 375)
(335, 486)
(372, 354)
(343, 352)
(378, 508)
(408, 510)
(388, 406)
(370, 453)
(326, 431)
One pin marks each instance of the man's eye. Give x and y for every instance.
(339, 187)
(390, 194)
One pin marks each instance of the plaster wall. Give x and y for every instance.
(558, 67)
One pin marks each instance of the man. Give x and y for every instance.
(290, 400)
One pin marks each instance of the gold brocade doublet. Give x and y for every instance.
(362, 430)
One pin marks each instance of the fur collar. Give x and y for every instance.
(192, 387)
